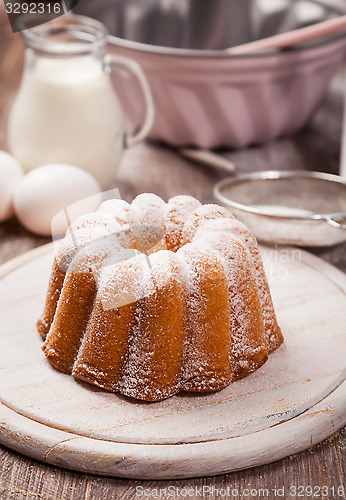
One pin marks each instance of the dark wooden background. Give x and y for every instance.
(158, 169)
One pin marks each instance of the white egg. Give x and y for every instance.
(51, 189)
(10, 174)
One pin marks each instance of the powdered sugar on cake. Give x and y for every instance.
(179, 299)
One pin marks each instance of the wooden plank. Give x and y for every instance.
(87, 429)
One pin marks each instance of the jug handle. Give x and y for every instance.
(132, 67)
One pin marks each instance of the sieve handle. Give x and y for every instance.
(331, 220)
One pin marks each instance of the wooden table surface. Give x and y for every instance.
(160, 170)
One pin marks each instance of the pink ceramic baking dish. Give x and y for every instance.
(231, 101)
(206, 97)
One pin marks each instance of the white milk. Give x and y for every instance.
(66, 111)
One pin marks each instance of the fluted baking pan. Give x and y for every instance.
(209, 98)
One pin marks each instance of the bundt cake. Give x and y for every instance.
(151, 298)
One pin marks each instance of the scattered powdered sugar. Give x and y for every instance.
(239, 230)
(203, 213)
(74, 242)
(206, 363)
(125, 282)
(244, 302)
(148, 209)
(178, 210)
(111, 243)
(103, 251)
(119, 209)
(92, 220)
(152, 367)
(146, 218)
(161, 264)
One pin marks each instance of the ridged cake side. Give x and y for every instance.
(149, 299)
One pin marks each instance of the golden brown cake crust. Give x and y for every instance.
(193, 314)
(54, 289)
(68, 327)
(103, 352)
(207, 364)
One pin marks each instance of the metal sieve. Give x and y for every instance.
(290, 207)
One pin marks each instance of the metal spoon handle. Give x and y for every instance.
(208, 158)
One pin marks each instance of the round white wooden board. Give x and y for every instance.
(295, 400)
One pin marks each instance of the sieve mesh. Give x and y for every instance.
(288, 207)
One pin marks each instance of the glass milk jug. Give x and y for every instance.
(66, 110)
